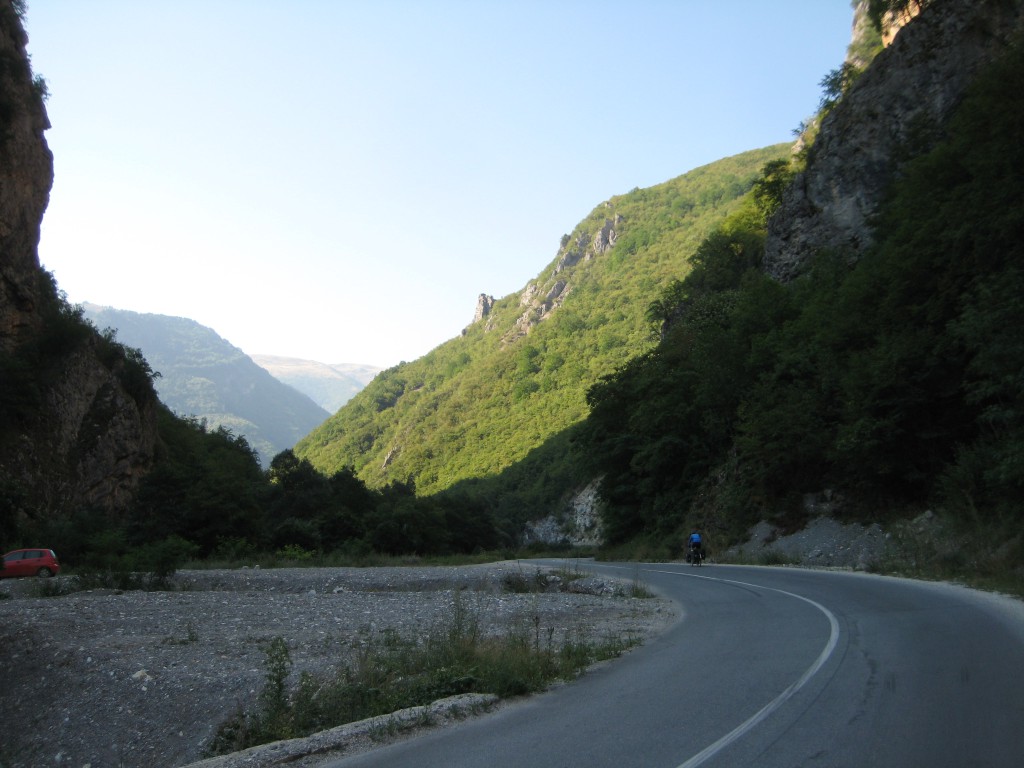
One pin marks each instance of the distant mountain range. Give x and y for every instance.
(329, 385)
(204, 376)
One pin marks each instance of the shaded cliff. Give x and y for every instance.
(26, 175)
(895, 111)
(77, 411)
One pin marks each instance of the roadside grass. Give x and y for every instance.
(984, 556)
(641, 549)
(766, 557)
(968, 563)
(637, 588)
(562, 578)
(391, 673)
(116, 580)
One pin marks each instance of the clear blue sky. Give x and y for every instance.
(338, 181)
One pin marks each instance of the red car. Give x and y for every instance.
(30, 562)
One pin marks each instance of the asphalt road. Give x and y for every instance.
(773, 667)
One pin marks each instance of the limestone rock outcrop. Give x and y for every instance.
(539, 300)
(578, 524)
(894, 111)
(484, 304)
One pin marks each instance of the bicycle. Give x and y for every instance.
(695, 557)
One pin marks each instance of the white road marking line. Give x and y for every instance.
(743, 728)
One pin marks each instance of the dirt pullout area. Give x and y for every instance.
(823, 543)
(130, 679)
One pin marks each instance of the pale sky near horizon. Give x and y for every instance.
(338, 180)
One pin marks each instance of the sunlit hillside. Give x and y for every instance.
(480, 402)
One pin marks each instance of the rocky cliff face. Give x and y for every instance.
(540, 299)
(896, 110)
(92, 444)
(26, 174)
(484, 304)
(77, 429)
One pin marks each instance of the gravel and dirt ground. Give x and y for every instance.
(824, 542)
(128, 679)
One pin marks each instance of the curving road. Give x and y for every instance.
(773, 667)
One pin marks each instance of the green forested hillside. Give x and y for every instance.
(479, 403)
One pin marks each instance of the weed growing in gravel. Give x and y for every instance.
(121, 580)
(392, 673)
(774, 557)
(519, 582)
(638, 589)
(766, 557)
(191, 636)
(559, 579)
(55, 587)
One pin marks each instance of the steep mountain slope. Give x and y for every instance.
(870, 367)
(329, 385)
(518, 375)
(204, 376)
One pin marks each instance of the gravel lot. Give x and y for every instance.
(107, 678)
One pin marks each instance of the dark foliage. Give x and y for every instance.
(205, 488)
(209, 490)
(897, 380)
(207, 495)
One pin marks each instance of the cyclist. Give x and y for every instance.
(694, 547)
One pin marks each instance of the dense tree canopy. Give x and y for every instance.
(897, 380)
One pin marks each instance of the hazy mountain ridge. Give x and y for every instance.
(329, 385)
(204, 376)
